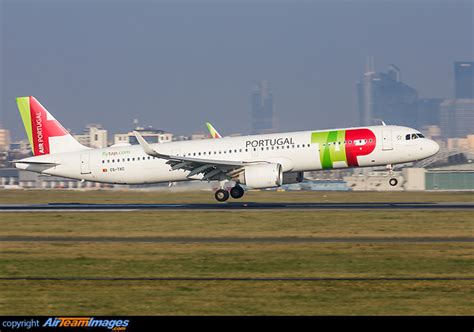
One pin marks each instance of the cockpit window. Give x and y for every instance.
(407, 137)
(413, 136)
(420, 135)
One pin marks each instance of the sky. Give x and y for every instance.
(174, 65)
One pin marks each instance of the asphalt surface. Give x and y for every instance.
(150, 239)
(232, 206)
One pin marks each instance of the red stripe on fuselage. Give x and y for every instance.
(353, 150)
(43, 129)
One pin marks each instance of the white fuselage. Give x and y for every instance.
(295, 151)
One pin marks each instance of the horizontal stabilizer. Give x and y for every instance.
(34, 162)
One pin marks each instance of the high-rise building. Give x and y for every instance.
(4, 139)
(463, 79)
(428, 112)
(383, 97)
(457, 117)
(263, 117)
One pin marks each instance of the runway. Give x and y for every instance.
(187, 240)
(232, 206)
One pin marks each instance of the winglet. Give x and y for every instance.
(145, 146)
(213, 131)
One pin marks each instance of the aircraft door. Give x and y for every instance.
(85, 163)
(387, 143)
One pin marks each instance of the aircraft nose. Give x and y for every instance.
(432, 147)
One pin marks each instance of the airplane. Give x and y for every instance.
(257, 161)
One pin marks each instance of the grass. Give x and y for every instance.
(237, 298)
(388, 223)
(139, 259)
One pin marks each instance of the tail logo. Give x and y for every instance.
(40, 125)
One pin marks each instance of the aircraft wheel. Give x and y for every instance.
(222, 195)
(237, 192)
(393, 182)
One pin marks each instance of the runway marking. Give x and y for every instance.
(353, 279)
(74, 207)
(150, 239)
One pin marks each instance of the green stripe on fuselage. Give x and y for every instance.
(331, 147)
(24, 108)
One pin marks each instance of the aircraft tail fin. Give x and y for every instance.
(214, 133)
(45, 133)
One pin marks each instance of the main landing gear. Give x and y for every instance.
(222, 195)
(393, 181)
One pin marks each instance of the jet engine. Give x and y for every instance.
(262, 176)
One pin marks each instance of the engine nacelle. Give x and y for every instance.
(293, 177)
(262, 176)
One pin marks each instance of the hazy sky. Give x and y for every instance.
(176, 64)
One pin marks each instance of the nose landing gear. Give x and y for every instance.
(393, 181)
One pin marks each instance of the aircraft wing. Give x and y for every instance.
(211, 169)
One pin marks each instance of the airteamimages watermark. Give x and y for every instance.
(65, 322)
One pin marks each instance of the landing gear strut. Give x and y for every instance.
(393, 181)
(222, 195)
(237, 192)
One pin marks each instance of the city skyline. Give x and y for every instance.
(170, 67)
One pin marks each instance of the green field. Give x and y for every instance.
(245, 259)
